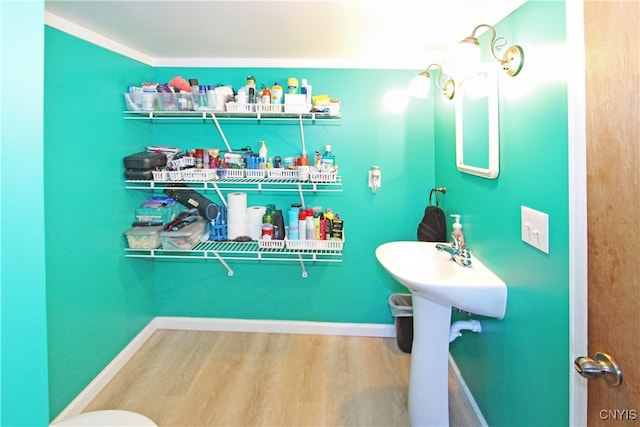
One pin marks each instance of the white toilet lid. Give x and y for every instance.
(107, 418)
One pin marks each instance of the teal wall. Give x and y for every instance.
(517, 368)
(114, 297)
(97, 299)
(355, 290)
(23, 388)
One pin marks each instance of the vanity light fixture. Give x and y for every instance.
(420, 85)
(512, 59)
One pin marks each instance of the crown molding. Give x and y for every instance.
(83, 33)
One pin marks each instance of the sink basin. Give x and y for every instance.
(437, 284)
(432, 274)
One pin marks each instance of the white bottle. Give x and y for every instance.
(457, 234)
(305, 89)
(311, 229)
(263, 150)
(302, 225)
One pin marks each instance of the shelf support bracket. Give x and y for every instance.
(223, 262)
(224, 138)
(300, 192)
(304, 271)
(219, 193)
(304, 146)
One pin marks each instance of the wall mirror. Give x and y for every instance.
(476, 116)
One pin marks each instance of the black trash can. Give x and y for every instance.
(401, 307)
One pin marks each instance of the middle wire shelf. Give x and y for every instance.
(247, 184)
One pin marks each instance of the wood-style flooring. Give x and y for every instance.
(203, 378)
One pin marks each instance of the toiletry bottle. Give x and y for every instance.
(303, 160)
(211, 97)
(311, 228)
(316, 225)
(251, 89)
(302, 224)
(202, 96)
(328, 159)
(328, 224)
(293, 223)
(278, 225)
(266, 218)
(265, 95)
(263, 150)
(276, 94)
(456, 234)
(323, 228)
(292, 85)
(337, 228)
(305, 89)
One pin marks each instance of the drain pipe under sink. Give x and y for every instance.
(463, 325)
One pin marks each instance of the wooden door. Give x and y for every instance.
(612, 42)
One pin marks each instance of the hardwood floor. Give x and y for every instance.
(202, 378)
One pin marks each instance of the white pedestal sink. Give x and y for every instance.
(438, 284)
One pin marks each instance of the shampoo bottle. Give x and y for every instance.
(276, 94)
(456, 233)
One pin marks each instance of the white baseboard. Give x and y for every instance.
(276, 326)
(102, 379)
(471, 402)
(78, 404)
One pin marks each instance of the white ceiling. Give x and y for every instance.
(330, 33)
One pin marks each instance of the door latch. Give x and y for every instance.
(601, 366)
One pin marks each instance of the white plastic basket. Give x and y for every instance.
(269, 108)
(319, 176)
(270, 244)
(255, 173)
(234, 107)
(161, 175)
(282, 173)
(175, 175)
(194, 174)
(231, 173)
(317, 245)
(184, 162)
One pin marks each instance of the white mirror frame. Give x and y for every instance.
(494, 134)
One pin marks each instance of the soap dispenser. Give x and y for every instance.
(456, 234)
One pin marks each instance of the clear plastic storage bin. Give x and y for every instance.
(144, 237)
(185, 238)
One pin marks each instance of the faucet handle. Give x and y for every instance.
(455, 243)
(464, 258)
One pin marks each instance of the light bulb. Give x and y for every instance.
(419, 86)
(465, 59)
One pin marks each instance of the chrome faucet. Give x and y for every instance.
(460, 255)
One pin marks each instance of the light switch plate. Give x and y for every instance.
(535, 228)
